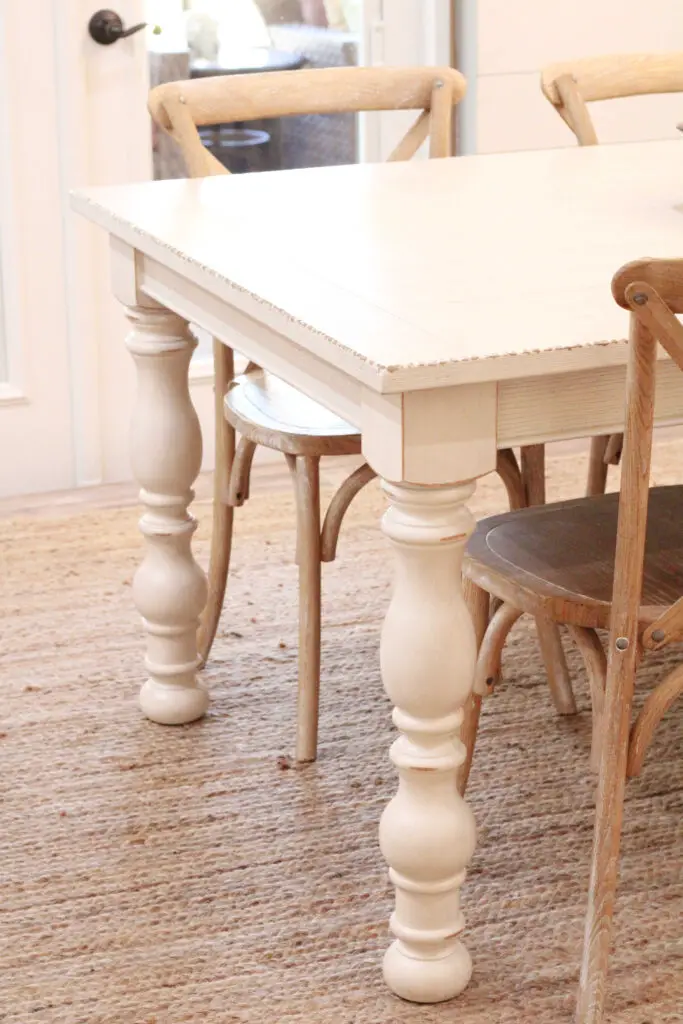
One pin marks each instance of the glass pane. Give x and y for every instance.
(201, 38)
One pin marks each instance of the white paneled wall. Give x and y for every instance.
(505, 43)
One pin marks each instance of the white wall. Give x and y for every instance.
(503, 44)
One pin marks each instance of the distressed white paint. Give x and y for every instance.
(428, 651)
(429, 274)
(169, 588)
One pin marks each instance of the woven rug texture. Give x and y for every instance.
(154, 875)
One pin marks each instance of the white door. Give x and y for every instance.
(74, 113)
(35, 403)
(71, 112)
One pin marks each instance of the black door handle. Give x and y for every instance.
(105, 27)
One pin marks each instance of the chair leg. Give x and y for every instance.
(649, 717)
(508, 470)
(309, 561)
(238, 481)
(614, 449)
(614, 743)
(338, 508)
(597, 466)
(487, 672)
(477, 601)
(595, 663)
(556, 669)
(533, 477)
(221, 534)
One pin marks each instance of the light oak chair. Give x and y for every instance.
(262, 409)
(570, 86)
(611, 562)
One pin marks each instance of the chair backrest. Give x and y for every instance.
(653, 291)
(180, 108)
(569, 86)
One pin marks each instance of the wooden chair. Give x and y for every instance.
(570, 86)
(265, 410)
(605, 562)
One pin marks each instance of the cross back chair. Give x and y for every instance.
(570, 86)
(262, 409)
(625, 574)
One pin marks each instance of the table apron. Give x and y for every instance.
(578, 404)
(330, 386)
(425, 437)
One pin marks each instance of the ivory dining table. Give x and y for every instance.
(447, 308)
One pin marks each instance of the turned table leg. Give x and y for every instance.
(428, 654)
(169, 588)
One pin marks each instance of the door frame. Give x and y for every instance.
(105, 139)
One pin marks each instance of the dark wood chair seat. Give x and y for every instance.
(558, 560)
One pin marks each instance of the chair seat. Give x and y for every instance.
(269, 412)
(558, 560)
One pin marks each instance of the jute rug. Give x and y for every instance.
(154, 875)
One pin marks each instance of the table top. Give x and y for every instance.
(247, 61)
(422, 274)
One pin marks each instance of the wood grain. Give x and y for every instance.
(441, 119)
(338, 507)
(274, 414)
(222, 509)
(309, 91)
(665, 629)
(309, 561)
(508, 470)
(533, 480)
(663, 276)
(477, 601)
(595, 663)
(621, 668)
(555, 560)
(597, 465)
(238, 486)
(650, 715)
(572, 108)
(611, 77)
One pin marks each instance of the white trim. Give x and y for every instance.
(73, 163)
(201, 371)
(10, 329)
(11, 395)
(437, 32)
(467, 60)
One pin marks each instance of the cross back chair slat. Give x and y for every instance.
(571, 85)
(180, 108)
(262, 409)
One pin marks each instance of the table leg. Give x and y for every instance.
(169, 588)
(428, 653)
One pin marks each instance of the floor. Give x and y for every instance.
(191, 876)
